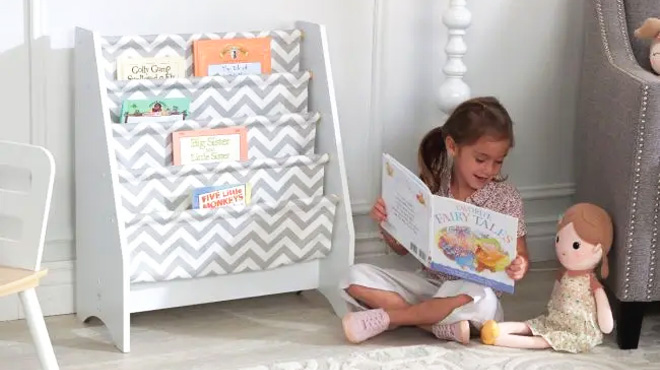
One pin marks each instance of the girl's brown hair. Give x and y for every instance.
(468, 122)
(593, 225)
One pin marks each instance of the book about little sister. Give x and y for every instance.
(448, 235)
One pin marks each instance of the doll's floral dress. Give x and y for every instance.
(571, 324)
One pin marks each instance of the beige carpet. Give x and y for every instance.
(478, 356)
(299, 332)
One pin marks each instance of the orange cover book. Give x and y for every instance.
(231, 57)
(209, 145)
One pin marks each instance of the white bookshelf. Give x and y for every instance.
(139, 246)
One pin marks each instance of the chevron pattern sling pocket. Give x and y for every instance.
(285, 48)
(197, 243)
(149, 144)
(220, 96)
(140, 246)
(289, 219)
(156, 189)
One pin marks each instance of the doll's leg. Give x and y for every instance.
(514, 328)
(511, 334)
(521, 341)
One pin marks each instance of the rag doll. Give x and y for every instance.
(650, 29)
(578, 311)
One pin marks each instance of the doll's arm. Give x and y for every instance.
(511, 334)
(603, 311)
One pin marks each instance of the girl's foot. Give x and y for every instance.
(458, 331)
(489, 332)
(362, 325)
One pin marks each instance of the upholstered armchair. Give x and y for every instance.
(617, 148)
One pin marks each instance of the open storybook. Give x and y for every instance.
(447, 235)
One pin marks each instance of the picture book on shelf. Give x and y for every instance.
(150, 68)
(232, 57)
(209, 145)
(447, 235)
(155, 110)
(220, 196)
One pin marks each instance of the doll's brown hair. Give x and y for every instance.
(469, 121)
(649, 29)
(593, 225)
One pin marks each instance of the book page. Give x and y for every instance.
(473, 243)
(408, 203)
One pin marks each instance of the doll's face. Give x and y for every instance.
(574, 253)
(655, 55)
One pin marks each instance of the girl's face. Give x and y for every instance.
(479, 163)
(574, 253)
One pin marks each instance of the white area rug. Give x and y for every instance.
(478, 356)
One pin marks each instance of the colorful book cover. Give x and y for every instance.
(151, 68)
(209, 145)
(155, 110)
(447, 235)
(232, 57)
(221, 196)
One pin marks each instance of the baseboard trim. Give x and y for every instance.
(547, 191)
(367, 236)
(541, 249)
(540, 238)
(56, 291)
(361, 208)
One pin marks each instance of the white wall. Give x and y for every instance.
(15, 95)
(525, 53)
(14, 61)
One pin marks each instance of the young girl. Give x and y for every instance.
(462, 160)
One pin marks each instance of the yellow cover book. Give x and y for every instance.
(232, 57)
(150, 68)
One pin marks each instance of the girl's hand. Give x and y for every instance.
(378, 211)
(518, 268)
(379, 214)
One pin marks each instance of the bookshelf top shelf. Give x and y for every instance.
(285, 47)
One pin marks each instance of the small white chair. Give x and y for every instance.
(26, 184)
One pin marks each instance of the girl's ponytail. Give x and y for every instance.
(432, 158)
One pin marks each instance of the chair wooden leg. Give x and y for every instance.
(629, 323)
(37, 325)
